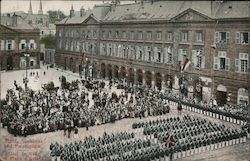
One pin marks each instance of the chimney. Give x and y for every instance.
(72, 14)
(82, 12)
(14, 20)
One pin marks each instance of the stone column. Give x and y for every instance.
(126, 70)
(113, 71)
(119, 72)
(248, 107)
(153, 79)
(135, 76)
(107, 71)
(143, 77)
(163, 83)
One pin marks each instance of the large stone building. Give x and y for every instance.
(17, 38)
(153, 43)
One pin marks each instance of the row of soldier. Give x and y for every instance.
(125, 147)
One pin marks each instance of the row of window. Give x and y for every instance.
(141, 53)
(222, 62)
(240, 37)
(10, 45)
(77, 34)
(139, 35)
(220, 37)
(76, 46)
(160, 55)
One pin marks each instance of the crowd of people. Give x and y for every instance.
(27, 112)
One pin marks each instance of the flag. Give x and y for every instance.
(185, 65)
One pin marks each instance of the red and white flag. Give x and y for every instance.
(185, 65)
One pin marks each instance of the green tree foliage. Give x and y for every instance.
(49, 41)
(56, 16)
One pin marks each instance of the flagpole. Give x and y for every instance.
(213, 46)
(0, 57)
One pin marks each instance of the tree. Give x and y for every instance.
(49, 41)
(55, 16)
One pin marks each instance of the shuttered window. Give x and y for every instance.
(242, 64)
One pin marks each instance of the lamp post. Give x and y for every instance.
(81, 51)
(91, 62)
(26, 80)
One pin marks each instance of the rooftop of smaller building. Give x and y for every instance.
(98, 12)
(15, 22)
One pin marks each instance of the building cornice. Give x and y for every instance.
(160, 21)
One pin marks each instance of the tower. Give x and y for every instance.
(40, 12)
(30, 9)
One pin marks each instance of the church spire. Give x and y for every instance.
(30, 9)
(40, 8)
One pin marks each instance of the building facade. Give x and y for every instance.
(17, 39)
(49, 56)
(200, 48)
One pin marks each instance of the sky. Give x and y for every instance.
(62, 5)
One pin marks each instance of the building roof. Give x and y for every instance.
(163, 10)
(50, 26)
(27, 16)
(20, 24)
(233, 9)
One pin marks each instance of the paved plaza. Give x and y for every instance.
(36, 147)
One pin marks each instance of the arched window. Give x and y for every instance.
(243, 98)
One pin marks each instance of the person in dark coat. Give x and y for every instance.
(179, 108)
